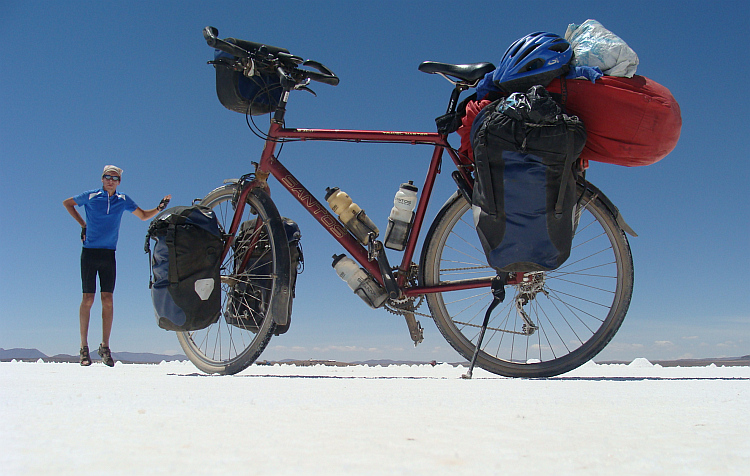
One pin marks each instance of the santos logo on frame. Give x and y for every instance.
(313, 206)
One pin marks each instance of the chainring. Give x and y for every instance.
(409, 303)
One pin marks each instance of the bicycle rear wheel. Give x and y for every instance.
(246, 325)
(576, 309)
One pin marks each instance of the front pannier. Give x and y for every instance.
(185, 266)
(249, 298)
(524, 194)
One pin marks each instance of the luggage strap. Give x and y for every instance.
(173, 281)
(569, 158)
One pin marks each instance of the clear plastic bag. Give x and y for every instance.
(594, 45)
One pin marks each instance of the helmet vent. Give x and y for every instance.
(526, 53)
(532, 65)
(560, 46)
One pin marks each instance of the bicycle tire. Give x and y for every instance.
(578, 308)
(246, 325)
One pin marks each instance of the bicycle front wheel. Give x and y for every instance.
(247, 286)
(549, 324)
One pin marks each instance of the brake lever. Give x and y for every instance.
(302, 85)
(305, 88)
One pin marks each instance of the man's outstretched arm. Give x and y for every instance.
(148, 214)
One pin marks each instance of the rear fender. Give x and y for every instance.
(610, 206)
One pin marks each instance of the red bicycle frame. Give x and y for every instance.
(269, 165)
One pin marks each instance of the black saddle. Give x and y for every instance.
(469, 73)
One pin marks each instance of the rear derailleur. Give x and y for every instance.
(532, 284)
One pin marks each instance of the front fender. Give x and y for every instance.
(281, 294)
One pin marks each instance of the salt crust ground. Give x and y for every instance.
(62, 419)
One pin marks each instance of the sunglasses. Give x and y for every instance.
(111, 177)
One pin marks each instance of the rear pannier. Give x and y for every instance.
(524, 195)
(185, 267)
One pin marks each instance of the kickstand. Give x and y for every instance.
(498, 296)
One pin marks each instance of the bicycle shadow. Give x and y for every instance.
(334, 377)
(458, 377)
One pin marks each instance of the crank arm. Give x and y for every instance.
(389, 281)
(415, 328)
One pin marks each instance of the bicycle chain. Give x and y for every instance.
(528, 292)
(401, 312)
(474, 268)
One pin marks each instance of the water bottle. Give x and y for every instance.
(402, 216)
(353, 217)
(361, 283)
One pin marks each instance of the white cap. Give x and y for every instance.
(112, 168)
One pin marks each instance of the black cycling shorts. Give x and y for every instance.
(98, 261)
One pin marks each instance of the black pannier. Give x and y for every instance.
(249, 299)
(185, 267)
(255, 95)
(524, 197)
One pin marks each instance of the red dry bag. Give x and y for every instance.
(629, 121)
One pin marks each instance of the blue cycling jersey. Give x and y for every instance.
(103, 215)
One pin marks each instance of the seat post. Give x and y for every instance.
(454, 98)
(448, 122)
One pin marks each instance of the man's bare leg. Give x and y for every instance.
(84, 316)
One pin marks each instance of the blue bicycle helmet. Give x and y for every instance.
(537, 58)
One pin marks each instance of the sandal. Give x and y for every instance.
(85, 358)
(106, 356)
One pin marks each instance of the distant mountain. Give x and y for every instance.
(125, 357)
(25, 354)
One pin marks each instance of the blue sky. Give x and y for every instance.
(85, 84)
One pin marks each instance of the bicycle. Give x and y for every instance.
(554, 322)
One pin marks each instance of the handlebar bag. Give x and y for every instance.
(185, 266)
(249, 299)
(524, 194)
(255, 95)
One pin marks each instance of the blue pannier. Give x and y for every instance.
(248, 304)
(185, 267)
(525, 152)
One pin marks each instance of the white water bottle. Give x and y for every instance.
(402, 215)
(361, 283)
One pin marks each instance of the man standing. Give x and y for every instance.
(99, 232)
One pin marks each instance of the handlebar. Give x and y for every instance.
(272, 57)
